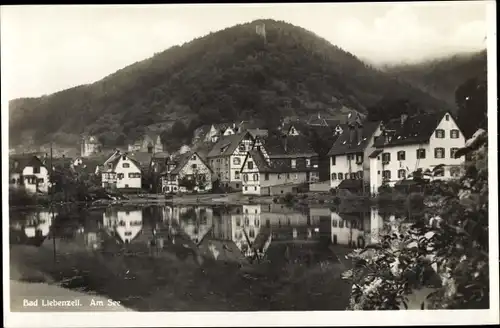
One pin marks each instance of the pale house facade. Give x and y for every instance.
(28, 172)
(416, 143)
(226, 158)
(90, 145)
(121, 172)
(349, 155)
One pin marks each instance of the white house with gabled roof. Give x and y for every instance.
(121, 171)
(424, 142)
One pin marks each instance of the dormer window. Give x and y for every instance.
(440, 134)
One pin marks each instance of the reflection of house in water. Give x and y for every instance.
(125, 223)
(350, 229)
(38, 223)
(289, 224)
(356, 229)
(34, 229)
(245, 227)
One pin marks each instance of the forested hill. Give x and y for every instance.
(442, 77)
(235, 73)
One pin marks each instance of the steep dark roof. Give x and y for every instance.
(22, 162)
(344, 145)
(276, 165)
(350, 184)
(375, 153)
(230, 142)
(288, 146)
(415, 130)
(183, 159)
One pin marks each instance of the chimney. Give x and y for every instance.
(351, 133)
(404, 116)
(359, 132)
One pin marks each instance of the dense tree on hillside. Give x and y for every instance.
(471, 98)
(390, 107)
(441, 77)
(231, 74)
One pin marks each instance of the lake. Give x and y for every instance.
(193, 258)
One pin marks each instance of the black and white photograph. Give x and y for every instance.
(249, 164)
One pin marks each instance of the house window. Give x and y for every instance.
(350, 157)
(308, 162)
(353, 176)
(279, 176)
(341, 224)
(194, 166)
(453, 152)
(360, 175)
(334, 160)
(438, 152)
(334, 223)
(386, 157)
(266, 176)
(255, 177)
(447, 117)
(40, 180)
(359, 158)
(439, 133)
(293, 163)
(121, 175)
(288, 175)
(250, 165)
(334, 176)
(246, 188)
(36, 169)
(386, 174)
(454, 134)
(125, 165)
(455, 171)
(245, 177)
(241, 147)
(401, 155)
(238, 222)
(236, 161)
(401, 174)
(420, 153)
(341, 176)
(237, 175)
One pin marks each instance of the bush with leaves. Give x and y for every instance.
(450, 243)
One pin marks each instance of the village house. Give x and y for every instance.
(90, 145)
(408, 144)
(28, 172)
(187, 172)
(121, 171)
(226, 158)
(279, 165)
(149, 143)
(349, 164)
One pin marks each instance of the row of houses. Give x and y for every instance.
(363, 155)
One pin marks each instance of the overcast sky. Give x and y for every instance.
(50, 48)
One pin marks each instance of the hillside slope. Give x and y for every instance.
(230, 74)
(442, 77)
